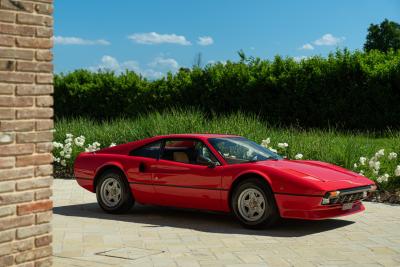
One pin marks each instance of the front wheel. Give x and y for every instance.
(113, 193)
(254, 204)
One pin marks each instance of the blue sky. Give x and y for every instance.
(156, 36)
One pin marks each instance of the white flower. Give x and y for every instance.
(361, 173)
(380, 153)
(113, 144)
(62, 153)
(56, 159)
(57, 145)
(374, 163)
(377, 165)
(363, 160)
(266, 142)
(355, 165)
(67, 151)
(68, 141)
(68, 156)
(383, 178)
(93, 147)
(397, 171)
(371, 163)
(298, 156)
(63, 163)
(273, 150)
(392, 155)
(68, 135)
(283, 145)
(79, 141)
(375, 172)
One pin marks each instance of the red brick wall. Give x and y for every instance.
(26, 124)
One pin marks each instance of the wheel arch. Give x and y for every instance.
(244, 176)
(116, 166)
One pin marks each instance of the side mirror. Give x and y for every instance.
(206, 161)
(211, 164)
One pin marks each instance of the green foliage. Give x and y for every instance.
(348, 90)
(383, 37)
(341, 148)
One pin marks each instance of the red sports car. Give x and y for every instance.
(221, 173)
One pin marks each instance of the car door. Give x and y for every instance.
(143, 161)
(186, 180)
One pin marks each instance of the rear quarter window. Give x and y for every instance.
(147, 151)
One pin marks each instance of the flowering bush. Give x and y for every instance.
(381, 167)
(63, 152)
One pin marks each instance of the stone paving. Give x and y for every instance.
(156, 236)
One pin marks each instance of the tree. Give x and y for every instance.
(383, 37)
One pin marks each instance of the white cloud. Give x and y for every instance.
(329, 39)
(161, 62)
(110, 63)
(157, 38)
(300, 58)
(205, 40)
(160, 66)
(78, 41)
(307, 47)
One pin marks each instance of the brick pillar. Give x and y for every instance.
(26, 124)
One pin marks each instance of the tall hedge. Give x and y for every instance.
(350, 90)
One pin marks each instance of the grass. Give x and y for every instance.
(341, 148)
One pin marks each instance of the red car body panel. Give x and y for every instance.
(298, 185)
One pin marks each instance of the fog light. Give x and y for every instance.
(325, 201)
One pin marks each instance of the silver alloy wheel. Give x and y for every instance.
(251, 204)
(111, 192)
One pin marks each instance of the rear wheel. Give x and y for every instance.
(113, 193)
(254, 205)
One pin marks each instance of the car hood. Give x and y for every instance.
(318, 171)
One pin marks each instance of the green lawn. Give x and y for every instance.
(341, 148)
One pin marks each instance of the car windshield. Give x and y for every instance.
(241, 150)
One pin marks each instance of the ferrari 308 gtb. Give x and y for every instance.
(220, 173)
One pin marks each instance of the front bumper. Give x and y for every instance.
(323, 207)
(310, 208)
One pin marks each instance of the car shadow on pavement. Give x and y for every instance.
(212, 222)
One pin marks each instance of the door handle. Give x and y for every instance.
(142, 167)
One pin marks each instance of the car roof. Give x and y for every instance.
(126, 148)
(197, 135)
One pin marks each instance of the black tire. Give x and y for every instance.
(124, 202)
(269, 217)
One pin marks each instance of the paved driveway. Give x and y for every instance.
(156, 236)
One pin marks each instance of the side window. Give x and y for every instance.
(204, 156)
(188, 151)
(151, 150)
